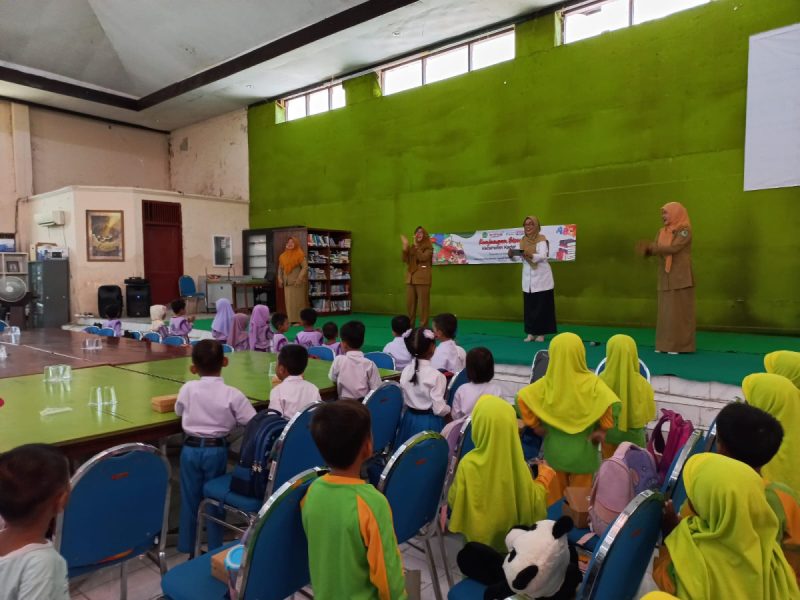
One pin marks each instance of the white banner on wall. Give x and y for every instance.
(491, 246)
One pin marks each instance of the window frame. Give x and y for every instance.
(284, 102)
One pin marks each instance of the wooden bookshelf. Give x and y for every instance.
(329, 279)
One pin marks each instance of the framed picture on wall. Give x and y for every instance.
(12, 266)
(223, 254)
(105, 236)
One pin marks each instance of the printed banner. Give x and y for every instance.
(491, 246)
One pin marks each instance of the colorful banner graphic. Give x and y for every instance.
(491, 246)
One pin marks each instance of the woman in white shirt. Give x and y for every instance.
(537, 282)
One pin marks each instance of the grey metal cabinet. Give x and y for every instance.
(49, 281)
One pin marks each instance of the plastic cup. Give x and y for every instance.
(51, 374)
(64, 372)
(14, 335)
(3, 353)
(273, 369)
(102, 395)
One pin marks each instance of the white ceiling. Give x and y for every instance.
(135, 48)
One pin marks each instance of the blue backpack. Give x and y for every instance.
(250, 476)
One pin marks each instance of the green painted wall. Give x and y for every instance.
(600, 133)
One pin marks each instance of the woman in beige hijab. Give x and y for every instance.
(537, 282)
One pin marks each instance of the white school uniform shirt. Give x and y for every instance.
(398, 351)
(467, 396)
(537, 276)
(209, 408)
(292, 395)
(354, 375)
(449, 356)
(34, 572)
(428, 392)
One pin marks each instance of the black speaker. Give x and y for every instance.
(137, 297)
(108, 295)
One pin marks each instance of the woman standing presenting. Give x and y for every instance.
(676, 320)
(292, 277)
(419, 258)
(537, 282)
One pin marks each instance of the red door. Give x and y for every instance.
(163, 249)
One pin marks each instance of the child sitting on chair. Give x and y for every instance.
(260, 333)
(239, 338)
(209, 411)
(157, 314)
(293, 393)
(223, 321)
(180, 324)
(280, 324)
(397, 347)
(354, 375)
(352, 548)
(34, 488)
(330, 331)
(113, 313)
(309, 336)
(480, 372)
(448, 355)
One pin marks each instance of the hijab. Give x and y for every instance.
(677, 219)
(260, 333)
(638, 405)
(426, 238)
(493, 489)
(239, 337)
(528, 242)
(157, 314)
(569, 396)
(784, 363)
(223, 320)
(291, 259)
(728, 547)
(776, 395)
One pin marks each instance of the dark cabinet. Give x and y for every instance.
(49, 280)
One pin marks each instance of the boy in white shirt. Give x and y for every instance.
(34, 488)
(293, 393)
(480, 372)
(209, 411)
(397, 347)
(448, 355)
(354, 375)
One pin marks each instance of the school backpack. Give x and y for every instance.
(250, 476)
(664, 452)
(621, 477)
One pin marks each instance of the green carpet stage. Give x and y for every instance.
(722, 357)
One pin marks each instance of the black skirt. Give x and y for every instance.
(540, 312)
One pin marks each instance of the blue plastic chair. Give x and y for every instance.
(382, 360)
(385, 404)
(619, 563)
(174, 340)
(539, 365)
(321, 352)
(152, 336)
(276, 545)
(194, 342)
(227, 348)
(136, 335)
(118, 510)
(673, 487)
(188, 289)
(3, 325)
(644, 371)
(710, 440)
(412, 482)
(456, 382)
(106, 332)
(93, 329)
(293, 453)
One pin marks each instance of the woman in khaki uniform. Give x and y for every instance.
(419, 258)
(676, 317)
(293, 278)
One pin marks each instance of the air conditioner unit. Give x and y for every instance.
(50, 219)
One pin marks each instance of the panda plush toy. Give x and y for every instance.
(540, 564)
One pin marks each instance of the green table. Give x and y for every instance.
(84, 429)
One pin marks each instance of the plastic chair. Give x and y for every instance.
(293, 452)
(412, 483)
(619, 563)
(188, 290)
(456, 382)
(118, 510)
(644, 371)
(227, 348)
(321, 352)
(106, 332)
(710, 440)
(93, 329)
(174, 340)
(152, 336)
(385, 404)
(276, 545)
(674, 488)
(136, 335)
(194, 342)
(3, 325)
(382, 360)
(539, 365)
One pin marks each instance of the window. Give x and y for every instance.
(313, 103)
(594, 18)
(470, 56)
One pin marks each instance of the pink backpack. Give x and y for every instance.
(628, 472)
(664, 452)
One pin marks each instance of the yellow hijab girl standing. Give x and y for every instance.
(574, 405)
(637, 406)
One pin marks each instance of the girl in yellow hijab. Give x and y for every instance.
(777, 396)
(574, 406)
(786, 363)
(726, 547)
(493, 489)
(637, 406)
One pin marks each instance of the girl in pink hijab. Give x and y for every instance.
(239, 337)
(260, 332)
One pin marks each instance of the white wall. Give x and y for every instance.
(8, 193)
(211, 157)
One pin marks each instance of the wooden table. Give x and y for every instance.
(22, 360)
